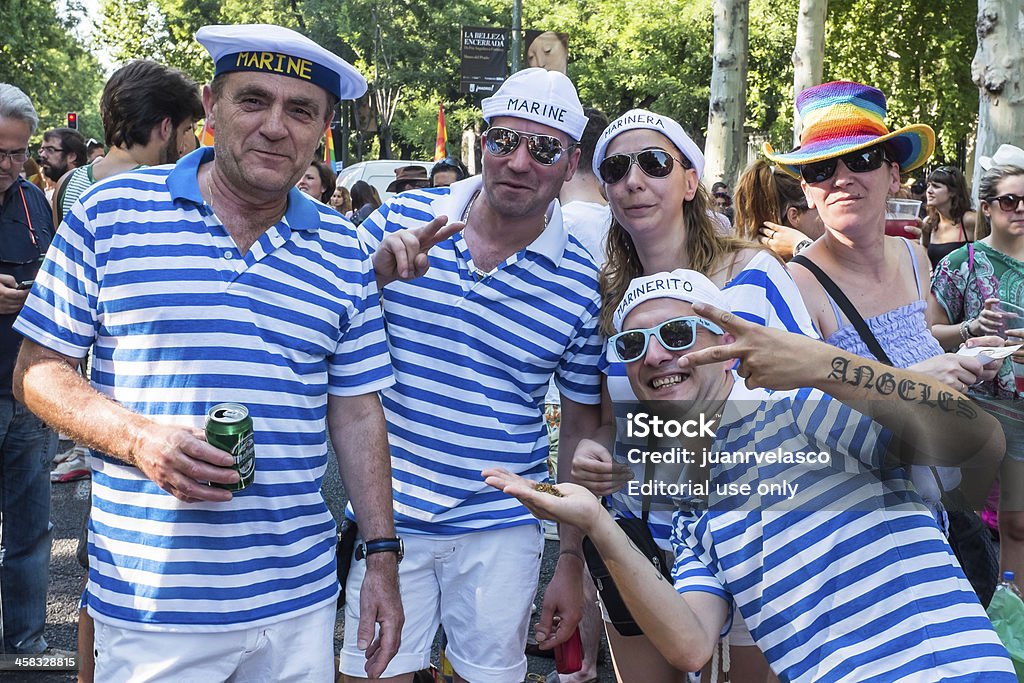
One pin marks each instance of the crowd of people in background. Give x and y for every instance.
(474, 348)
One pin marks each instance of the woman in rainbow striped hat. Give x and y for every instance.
(849, 164)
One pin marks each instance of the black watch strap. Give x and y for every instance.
(381, 545)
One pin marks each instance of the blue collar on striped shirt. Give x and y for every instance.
(552, 242)
(301, 213)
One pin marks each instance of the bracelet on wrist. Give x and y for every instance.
(965, 330)
(801, 245)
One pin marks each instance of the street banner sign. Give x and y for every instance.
(484, 58)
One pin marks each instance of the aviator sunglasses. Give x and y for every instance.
(677, 334)
(545, 149)
(656, 163)
(1007, 202)
(861, 161)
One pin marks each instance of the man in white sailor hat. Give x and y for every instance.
(207, 282)
(479, 319)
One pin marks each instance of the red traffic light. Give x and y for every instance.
(73, 120)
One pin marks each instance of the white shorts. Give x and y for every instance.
(299, 650)
(479, 586)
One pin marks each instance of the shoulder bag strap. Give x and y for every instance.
(847, 307)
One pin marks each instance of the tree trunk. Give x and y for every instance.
(807, 54)
(996, 71)
(726, 148)
(386, 100)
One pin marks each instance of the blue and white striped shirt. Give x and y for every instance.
(831, 592)
(473, 355)
(181, 321)
(763, 293)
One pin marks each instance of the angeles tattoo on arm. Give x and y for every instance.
(908, 390)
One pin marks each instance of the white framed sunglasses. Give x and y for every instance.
(677, 334)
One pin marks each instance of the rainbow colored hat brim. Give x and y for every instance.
(842, 117)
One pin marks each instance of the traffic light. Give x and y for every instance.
(73, 120)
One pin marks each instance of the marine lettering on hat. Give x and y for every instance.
(275, 62)
(537, 109)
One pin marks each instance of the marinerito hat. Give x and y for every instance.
(842, 117)
(277, 50)
(546, 97)
(685, 285)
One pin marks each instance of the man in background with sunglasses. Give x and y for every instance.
(845, 577)
(26, 228)
(479, 318)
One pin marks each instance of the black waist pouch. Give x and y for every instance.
(640, 534)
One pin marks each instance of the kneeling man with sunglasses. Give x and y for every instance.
(480, 314)
(807, 523)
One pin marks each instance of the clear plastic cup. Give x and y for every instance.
(1014, 321)
(899, 215)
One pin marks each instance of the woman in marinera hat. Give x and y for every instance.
(849, 163)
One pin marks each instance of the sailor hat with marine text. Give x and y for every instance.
(277, 50)
(542, 96)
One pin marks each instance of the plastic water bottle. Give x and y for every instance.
(1007, 583)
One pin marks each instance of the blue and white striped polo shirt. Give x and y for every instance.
(836, 594)
(763, 293)
(181, 321)
(473, 354)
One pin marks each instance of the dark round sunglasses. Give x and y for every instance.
(861, 161)
(677, 334)
(1007, 202)
(654, 162)
(545, 149)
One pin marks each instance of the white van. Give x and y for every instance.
(380, 173)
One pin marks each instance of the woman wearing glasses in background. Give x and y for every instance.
(661, 221)
(950, 223)
(969, 284)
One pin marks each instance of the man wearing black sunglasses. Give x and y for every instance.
(479, 319)
(27, 445)
(846, 571)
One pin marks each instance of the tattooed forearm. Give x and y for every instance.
(909, 390)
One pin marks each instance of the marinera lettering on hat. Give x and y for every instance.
(541, 96)
(281, 51)
(845, 116)
(685, 285)
(635, 119)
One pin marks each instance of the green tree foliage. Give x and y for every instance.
(623, 54)
(918, 52)
(41, 55)
(162, 30)
(630, 53)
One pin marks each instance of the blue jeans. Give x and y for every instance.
(27, 446)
